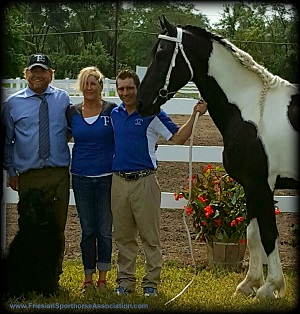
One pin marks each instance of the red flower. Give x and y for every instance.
(188, 210)
(192, 178)
(243, 241)
(202, 199)
(239, 219)
(209, 167)
(217, 205)
(178, 196)
(208, 211)
(277, 210)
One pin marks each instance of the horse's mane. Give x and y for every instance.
(243, 57)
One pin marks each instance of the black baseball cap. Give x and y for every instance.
(39, 59)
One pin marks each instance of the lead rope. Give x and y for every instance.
(184, 211)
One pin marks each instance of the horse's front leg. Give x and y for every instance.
(274, 286)
(254, 278)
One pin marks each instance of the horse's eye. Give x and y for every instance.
(161, 52)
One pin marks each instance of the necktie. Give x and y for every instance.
(44, 138)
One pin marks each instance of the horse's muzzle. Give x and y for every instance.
(149, 109)
(144, 110)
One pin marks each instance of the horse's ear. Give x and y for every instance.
(165, 24)
(162, 25)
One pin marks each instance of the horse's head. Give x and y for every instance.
(168, 71)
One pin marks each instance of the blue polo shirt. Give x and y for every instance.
(136, 136)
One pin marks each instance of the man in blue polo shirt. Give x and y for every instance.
(135, 191)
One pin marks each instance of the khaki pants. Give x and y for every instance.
(57, 182)
(136, 210)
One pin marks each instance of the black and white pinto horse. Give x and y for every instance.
(257, 115)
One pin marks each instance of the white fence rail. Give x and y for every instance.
(179, 153)
(10, 86)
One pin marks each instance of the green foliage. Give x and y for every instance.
(142, 20)
(217, 205)
(93, 55)
(14, 54)
(210, 291)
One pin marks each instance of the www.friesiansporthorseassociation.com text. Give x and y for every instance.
(65, 306)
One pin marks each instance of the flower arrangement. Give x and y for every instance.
(217, 205)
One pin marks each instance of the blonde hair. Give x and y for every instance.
(84, 74)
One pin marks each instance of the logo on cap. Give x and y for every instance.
(39, 60)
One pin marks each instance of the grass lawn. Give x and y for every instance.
(210, 291)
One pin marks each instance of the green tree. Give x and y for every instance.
(139, 27)
(94, 55)
(14, 54)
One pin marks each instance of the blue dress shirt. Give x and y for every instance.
(20, 114)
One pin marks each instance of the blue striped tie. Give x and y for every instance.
(44, 137)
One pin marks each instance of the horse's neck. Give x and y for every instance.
(228, 81)
(231, 75)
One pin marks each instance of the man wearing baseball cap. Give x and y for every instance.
(36, 152)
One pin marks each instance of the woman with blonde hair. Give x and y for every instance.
(91, 169)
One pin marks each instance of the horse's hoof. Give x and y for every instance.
(266, 292)
(271, 290)
(245, 290)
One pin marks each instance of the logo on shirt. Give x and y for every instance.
(138, 121)
(106, 120)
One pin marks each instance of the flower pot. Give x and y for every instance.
(225, 255)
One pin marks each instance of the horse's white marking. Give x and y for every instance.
(274, 286)
(243, 88)
(255, 278)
